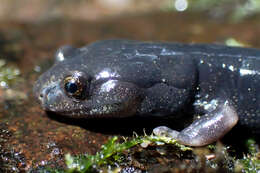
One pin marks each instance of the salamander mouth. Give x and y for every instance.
(49, 95)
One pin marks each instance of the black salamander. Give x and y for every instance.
(122, 78)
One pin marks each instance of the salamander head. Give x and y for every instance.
(70, 90)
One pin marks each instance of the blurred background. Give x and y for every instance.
(38, 10)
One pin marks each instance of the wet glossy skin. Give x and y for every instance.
(119, 78)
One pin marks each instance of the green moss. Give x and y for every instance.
(235, 43)
(112, 151)
(86, 162)
(8, 74)
(250, 163)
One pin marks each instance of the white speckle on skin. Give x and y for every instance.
(244, 72)
(209, 106)
(104, 108)
(152, 56)
(231, 67)
(170, 52)
(108, 86)
(60, 56)
(106, 73)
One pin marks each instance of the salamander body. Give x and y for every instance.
(122, 78)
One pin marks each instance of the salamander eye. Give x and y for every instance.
(76, 86)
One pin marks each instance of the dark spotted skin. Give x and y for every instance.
(130, 78)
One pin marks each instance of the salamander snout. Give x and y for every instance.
(48, 96)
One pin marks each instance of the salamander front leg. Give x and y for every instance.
(209, 128)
